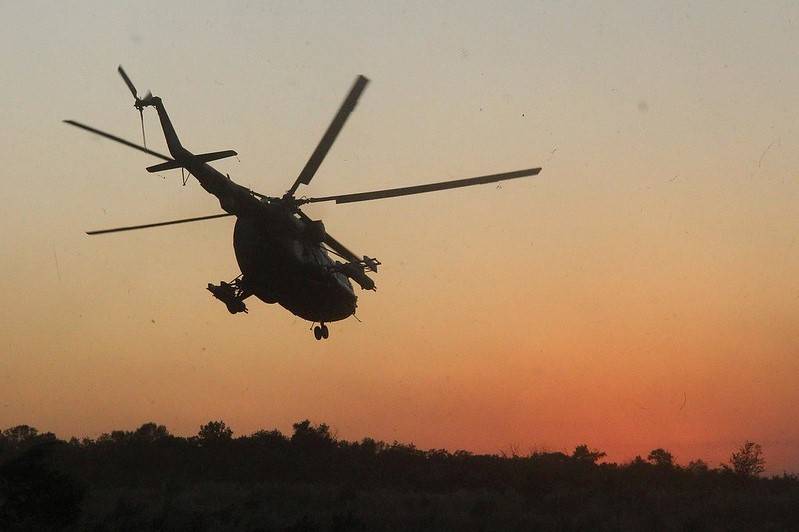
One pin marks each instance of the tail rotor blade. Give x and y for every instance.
(128, 82)
(143, 137)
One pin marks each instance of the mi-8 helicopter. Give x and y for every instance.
(282, 253)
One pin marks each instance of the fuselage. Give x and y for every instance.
(279, 267)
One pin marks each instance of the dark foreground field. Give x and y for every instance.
(150, 480)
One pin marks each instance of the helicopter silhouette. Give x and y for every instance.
(283, 254)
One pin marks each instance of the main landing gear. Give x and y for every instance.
(320, 332)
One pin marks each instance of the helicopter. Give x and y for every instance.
(284, 255)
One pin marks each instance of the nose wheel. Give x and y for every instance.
(320, 332)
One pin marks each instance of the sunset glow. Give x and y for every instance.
(640, 293)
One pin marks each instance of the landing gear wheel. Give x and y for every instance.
(325, 332)
(317, 332)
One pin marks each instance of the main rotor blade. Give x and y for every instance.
(127, 81)
(330, 135)
(117, 139)
(158, 224)
(419, 189)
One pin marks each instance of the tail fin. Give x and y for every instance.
(175, 147)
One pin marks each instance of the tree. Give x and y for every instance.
(308, 437)
(117, 437)
(583, 454)
(371, 447)
(661, 457)
(150, 432)
(697, 467)
(269, 437)
(20, 434)
(22, 437)
(215, 432)
(748, 461)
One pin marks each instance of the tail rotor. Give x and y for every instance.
(139, 103)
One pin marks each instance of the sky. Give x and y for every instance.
(641, 292)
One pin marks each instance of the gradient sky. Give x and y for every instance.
(640, 293)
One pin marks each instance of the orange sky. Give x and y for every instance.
(640, 293)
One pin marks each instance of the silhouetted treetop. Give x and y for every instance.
(20, 433)
(150, 432)
(698, 466)
(661, 457)
(583, 454)
(214, 432)
(748, 461)
(306, 436)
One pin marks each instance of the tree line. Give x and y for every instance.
(48, 482)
